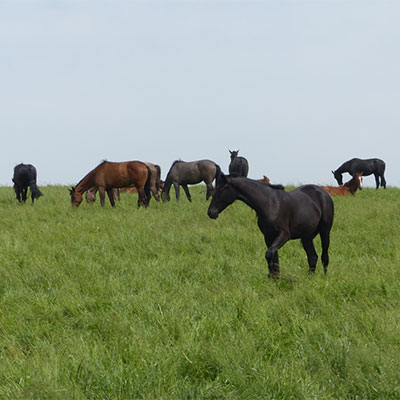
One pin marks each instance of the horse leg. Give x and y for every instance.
(325, 240)
(24, 191)
(383, 181)
(273, 264)
(18, 193)
(312, 256)
(102, 194)
(176, 186)
(186, 189)
(110, 194)
(155, 193)
(377, 180)
(272, 253)
(142, 198)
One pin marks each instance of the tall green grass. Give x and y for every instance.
(164, 303)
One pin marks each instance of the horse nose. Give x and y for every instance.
(212, 214)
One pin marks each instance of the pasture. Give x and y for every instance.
(165, 303)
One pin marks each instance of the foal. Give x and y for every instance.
(348, 189)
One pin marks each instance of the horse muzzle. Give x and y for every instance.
(213, 214)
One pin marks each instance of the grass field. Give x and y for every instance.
(166, 303)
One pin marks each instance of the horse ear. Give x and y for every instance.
(230, 152)
(333, 172)
(71, 190)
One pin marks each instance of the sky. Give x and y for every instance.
(298, 87)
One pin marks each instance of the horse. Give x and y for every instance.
(25, 176)
(238, 165)
(108, 175)
(154, 186)
(348, 189)
(90, 194)
(264, 179)
(189, 173)
(368, 167)
(282, 216)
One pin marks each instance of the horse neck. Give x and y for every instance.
(86, 182)
(248, 193)
(343, 168)
(352, 185)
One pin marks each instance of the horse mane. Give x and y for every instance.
(172, 166)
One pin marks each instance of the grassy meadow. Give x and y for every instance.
(165, 303)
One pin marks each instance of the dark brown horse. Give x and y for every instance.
(25, 177)
(109, 175)
(282, 216)
(348, 189)
(238, 166)
(371, 166)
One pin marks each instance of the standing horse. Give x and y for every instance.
(154, 186)
(238, 165)
(189, 173)
(348, 189)
(367, 167)
(108, 175)
(282, 216)
(25, 176)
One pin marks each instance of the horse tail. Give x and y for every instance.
(35, 192)
(158, 177)
(147, 184)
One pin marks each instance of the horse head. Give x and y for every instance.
(223, 196)
(76, 197)
(338, 176)
(234, 154)
(359, 178)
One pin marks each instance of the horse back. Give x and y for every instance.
(121, 174)
(321, 200)
(24, 174)
(239, 167)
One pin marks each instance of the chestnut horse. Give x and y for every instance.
(264, 179)
(154, 186)
(348, 189)
(108, 175)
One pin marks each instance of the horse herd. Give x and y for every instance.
(301, 213)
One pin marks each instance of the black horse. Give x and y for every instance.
(282, 216)
(24, 177)
(189, 173)
(238, 165)
(366, 167)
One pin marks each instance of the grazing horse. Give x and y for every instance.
(348, 189)
(24, 177)
(368, 167)
(238, 165)
(109, 175)
(154, 186)
(282, 216)
(189, 173)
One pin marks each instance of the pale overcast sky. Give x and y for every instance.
(297, 86)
